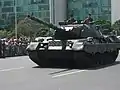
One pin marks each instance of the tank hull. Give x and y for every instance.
(71, 59)
(52, 58)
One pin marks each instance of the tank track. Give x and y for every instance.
(71, 59)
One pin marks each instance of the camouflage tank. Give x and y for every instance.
(74, 45)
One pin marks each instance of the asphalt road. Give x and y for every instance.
(19, 73)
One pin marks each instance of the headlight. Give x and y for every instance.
(70, 45)
(90, 39)
(41, 45)
(78, 46)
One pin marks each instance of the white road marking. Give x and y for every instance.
(13, 58)
(65, 74)
(4, 70)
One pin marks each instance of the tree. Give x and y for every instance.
(6, 34)
(28, 28)
(106, 26)
(116, 27)
(31, 28)
(3, 33)
(104, 23)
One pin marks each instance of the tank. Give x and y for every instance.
(76, 45)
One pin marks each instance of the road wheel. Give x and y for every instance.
(83, 60)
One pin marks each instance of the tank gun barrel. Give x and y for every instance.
(50, 25)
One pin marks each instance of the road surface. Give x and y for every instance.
(20, 73)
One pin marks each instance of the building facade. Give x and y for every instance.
(58, 10)
(115, 10)
(100, 9)
(39, 8)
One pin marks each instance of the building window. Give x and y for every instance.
(8, 9)
(43, 7)
(21, 15)
(106, 2)
(47, 19)
(109, 2)
(40, 14)
(39, 1)
(33, 8)
(48, 14)
(105, 11)
(2, 22)
(90, 4)
(0, 4)
(4, 16)
(25, 8)
(19, 9)
(36, 14)
(8, 3)
(81, 8)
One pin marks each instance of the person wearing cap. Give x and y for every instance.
(0, 48)
(88, 19)
(71, 19)
(3, 48)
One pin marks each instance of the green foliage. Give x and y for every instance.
(106, 26)
(6, 33)
(11, 33)
(104, 23)
(3, 33)
(31, 28)
(116, 27)
(26, 28)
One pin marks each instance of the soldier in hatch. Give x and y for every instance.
(71, 19)
(88, 19)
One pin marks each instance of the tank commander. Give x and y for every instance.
(88, 19)
(71, 20)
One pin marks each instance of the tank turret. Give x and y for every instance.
(79, 30)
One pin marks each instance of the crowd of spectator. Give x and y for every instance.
(13, 47)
